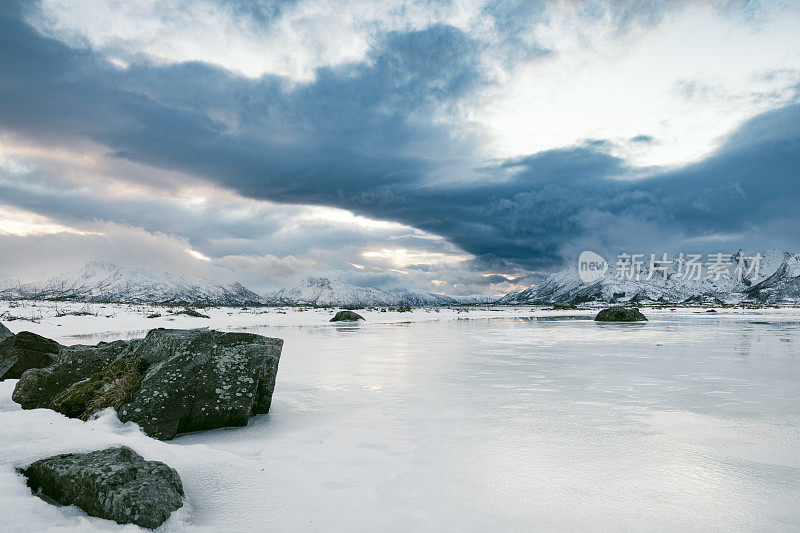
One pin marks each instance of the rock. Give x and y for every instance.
(561, 306)
(346, 316)
(170, 382)
(38, 387)
(620, 314)
(24, 351)
(4, 332)
(110, 387)
(115, 484)
(201, 379)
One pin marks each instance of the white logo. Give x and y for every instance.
(591, 266)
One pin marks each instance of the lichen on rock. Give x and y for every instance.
(170, 382)
(115, 484)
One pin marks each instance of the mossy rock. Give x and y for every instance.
(38, 386)
(110, 387)
(171, 382)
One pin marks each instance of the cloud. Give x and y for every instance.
(35, 256)
(396, 142)
(265, 270)
(290, 39)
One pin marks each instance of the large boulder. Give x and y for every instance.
(346, 316)
(170, 382)
(115, 484)
(620, 314)
(201, 379)
(4, 332)
(24, 351)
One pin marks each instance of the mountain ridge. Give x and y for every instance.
(778, 281)
(321, 291)
(99, 281)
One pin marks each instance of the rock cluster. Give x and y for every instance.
(170, 382)
(115, 484)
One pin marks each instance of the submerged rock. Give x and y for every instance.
(115, 484)
(24, 351)
(346, 316)
(4, 332)
(620, 314)
(170, 382)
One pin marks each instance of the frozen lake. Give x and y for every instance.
(506, 420)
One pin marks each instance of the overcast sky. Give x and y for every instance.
(460, 147)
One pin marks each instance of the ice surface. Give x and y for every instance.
(511, 420)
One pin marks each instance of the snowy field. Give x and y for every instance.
(492, 419)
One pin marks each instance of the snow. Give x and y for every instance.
(510, 420)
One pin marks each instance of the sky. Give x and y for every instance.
(461, 147)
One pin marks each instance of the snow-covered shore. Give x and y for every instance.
(75, 322)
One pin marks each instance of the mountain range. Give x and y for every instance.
(325, 291)
(776, 281)
(98, 281)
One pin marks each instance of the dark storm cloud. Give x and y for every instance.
(364, 137)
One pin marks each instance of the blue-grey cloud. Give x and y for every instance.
(367, 137)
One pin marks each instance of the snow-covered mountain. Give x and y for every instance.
(98, 281)
(777, 281)
(783, 285)
(103, 282)
(325, 291)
